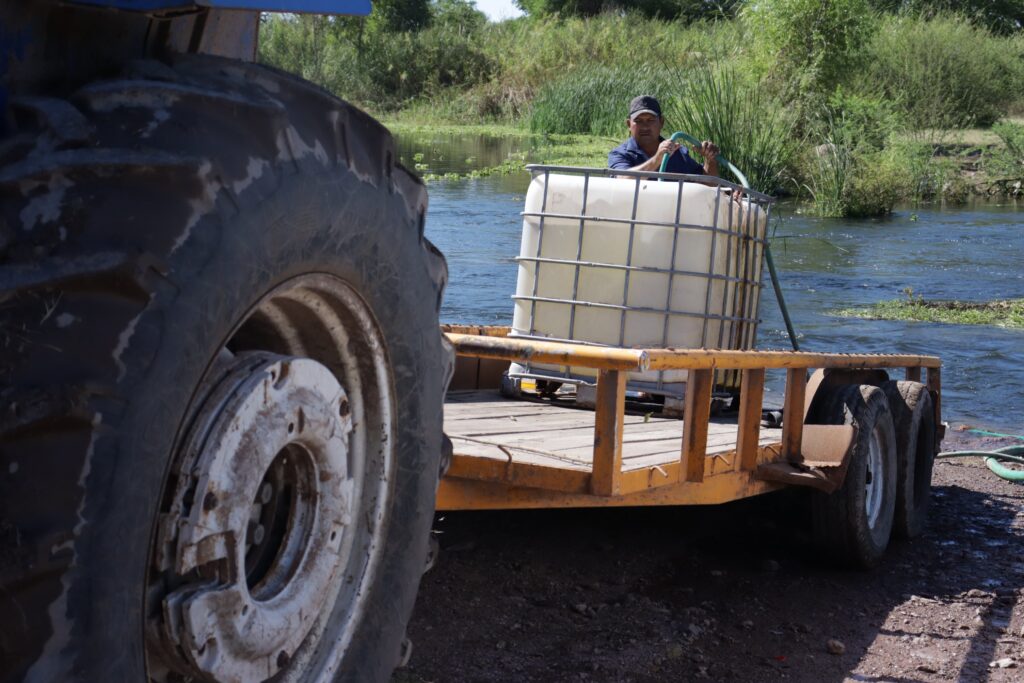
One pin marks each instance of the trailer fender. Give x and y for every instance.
(824, 458)
(822, 381)
(824, 449)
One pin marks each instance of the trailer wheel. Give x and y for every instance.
(222, 384)
(853, 524)
(914, 419)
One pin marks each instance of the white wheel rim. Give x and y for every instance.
(255, 593)
(874, 479)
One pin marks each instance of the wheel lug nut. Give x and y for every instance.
(266, 493)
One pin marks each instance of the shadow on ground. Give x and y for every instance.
(727, 593)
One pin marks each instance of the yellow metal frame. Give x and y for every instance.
(484, 483)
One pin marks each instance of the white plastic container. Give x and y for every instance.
(629, 263)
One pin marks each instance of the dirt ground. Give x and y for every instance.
(726, 593)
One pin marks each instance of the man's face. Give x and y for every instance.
(645, 128)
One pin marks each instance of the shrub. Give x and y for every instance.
(386, 70)
(809, 45)
(1007, 161)
(313, 47)
(847, 178)
(855, 185)
(943, 72)
(928, 175)
(874, 187)
(868, 121)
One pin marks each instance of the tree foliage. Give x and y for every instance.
(391, 16)
(683, 10)
(809, 45)
(1000, 16)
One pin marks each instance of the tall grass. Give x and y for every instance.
(595, 99)
(848, 178)
(831, 168)
(716, 104)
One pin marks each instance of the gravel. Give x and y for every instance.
(732, 592)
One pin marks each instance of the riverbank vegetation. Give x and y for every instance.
(853, 104)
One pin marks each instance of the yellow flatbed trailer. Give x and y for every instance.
(510, 453)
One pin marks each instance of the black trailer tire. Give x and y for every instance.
(853, 524)
(182, 229)
(914, 419)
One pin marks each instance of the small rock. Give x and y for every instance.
(927, 668)
(501, 645)
(716, 572)
(746, 624)
(675, 651)
(770, 566)
(580, 607)
(695, 630)
(835, 647)
(1004, 663)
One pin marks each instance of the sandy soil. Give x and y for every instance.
(726, 593)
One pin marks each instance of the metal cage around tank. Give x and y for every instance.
(726, 322)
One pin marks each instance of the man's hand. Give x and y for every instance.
(666, 148)
(709, 150)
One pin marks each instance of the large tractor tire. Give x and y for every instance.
(853, 524)
(221, 382)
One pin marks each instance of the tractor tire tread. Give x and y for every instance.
(72, 287)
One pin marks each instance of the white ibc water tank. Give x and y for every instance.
(634, 262)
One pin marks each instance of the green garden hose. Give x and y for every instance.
(767, 248)
(993, 459)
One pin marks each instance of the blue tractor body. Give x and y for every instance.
(352, 7)
(49, 47)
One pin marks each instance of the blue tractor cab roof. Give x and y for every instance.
(350, 7)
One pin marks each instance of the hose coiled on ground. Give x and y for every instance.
(995, 458)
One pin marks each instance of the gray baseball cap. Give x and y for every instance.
(644, 104)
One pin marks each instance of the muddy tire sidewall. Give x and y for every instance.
(342, 228)
(841, 522)
(914, 421)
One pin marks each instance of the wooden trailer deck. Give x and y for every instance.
(523, 453)
(532, 453)
(484, 424)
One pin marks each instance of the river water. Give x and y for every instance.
(972, 253)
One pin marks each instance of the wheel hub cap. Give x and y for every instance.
(264, 527)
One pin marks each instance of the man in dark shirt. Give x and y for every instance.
(645, 148)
